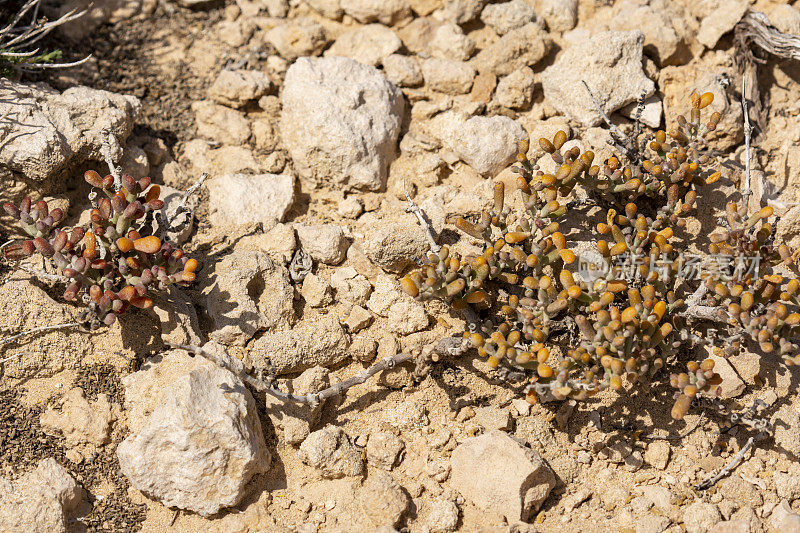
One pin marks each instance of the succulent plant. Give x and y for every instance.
(113, 262)
(574, 331)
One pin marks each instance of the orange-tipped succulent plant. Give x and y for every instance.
(109, 260)
(627, 308)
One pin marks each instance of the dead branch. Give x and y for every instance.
(40, 329)
(707, 484)
(747, 132)
(108, 156)
(422, 218)
(445, 347)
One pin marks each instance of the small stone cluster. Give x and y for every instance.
(574, 325)
(115, 261)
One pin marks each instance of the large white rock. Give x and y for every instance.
(611, 65)
(497, 473)
(487, 144)
(39, 501)
(201, 444)
(236, 199)
(340, 122)
(46, 132)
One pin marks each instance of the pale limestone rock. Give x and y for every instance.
(318, 341)
(325, 243)
(403, 71)
(448, 76)
(383, 500)
(495, 472)
(316, 291)
(340, 122)
(367, 44)
(200, 446)
(221, 124)
(296, 420)
(297, 37)
(449, 42)
(521, 47)
(85, 425)
(241, 199)
(50, 132)
(247, 292)
(515, 91)
(389, 12)
(384, 450)
(40, 501)
(350, 285)
(487, 144)
(508, 16)
(330, 451)
(610, 63)
(721, 21)
(237, 88)
(560, 15)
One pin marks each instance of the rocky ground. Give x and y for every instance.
(313, 118)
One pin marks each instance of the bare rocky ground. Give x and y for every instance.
(311, 117)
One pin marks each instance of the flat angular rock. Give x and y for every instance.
(200, 446)
(350, 285)
(521, 47)
(508, 16)
(340, 122)
(721, 21)
(83, 424)
(448, 76)
(246, 292)
(368, 44)
(49, 132)
(321, 341)
(497, 473)
(403, 71)
(330, 451)
(325, 243)
(220, 123)
(610, 63)
(236, 88)
(487, 144)
(240, 199)
(39, 501)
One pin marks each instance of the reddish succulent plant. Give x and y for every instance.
(112, 261)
